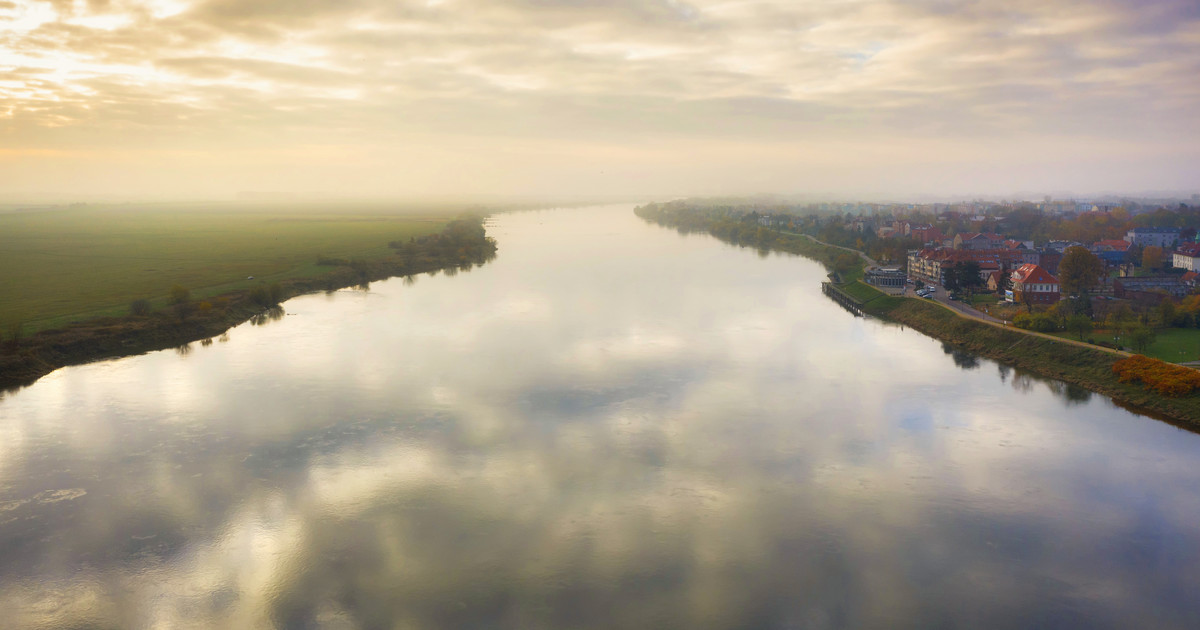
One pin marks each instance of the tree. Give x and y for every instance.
(1142, 337)
(140, 307)
(1166, 313)
(1005, 283)
(1152, 257)
(1079, 270)
(1080, 325)
(968, 276)
(180, 300)
(1120, 319)
(179, 295)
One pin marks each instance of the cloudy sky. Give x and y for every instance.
(407, 98)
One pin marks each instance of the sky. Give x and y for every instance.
(617, 98)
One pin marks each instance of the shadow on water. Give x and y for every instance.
(962, 359)
(1024, 382)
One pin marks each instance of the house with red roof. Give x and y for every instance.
(1112, 252)
(1033, 285)
(1187, 257)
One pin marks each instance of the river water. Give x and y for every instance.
(609, 426)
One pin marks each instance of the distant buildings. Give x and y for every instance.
(1153, 237)
(978, 241)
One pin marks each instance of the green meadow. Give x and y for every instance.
(1173, 345)
(60, 265)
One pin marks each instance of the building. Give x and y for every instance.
(890, 279)
(925, 233)
(1187, 257)
(978, 241)
(1150, 288)
(1156, 237)
(930, 265)
(1062, 246)
(1112, 252)
(1033, 285)
(994, 280)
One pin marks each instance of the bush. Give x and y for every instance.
(259, 296)
(1165, 378)
(268, 295)
(179, 295)
(140, 307)
(1037, 322)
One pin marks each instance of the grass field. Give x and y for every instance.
(1173, 345)
(67, 264)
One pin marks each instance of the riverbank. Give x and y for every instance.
(1045, 356)
(462, 244)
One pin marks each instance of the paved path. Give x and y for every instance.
(963, 310)
(870, 261)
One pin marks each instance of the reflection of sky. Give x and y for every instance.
(609, 426)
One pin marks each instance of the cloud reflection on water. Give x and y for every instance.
(586, 441)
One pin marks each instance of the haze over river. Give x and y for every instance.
(609, 426)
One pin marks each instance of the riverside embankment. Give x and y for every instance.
(462, 244)
(1075, 363)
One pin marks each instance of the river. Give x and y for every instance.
(609, 426)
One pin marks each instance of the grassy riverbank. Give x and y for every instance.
(70, 264)
(461, 244)
(1044, 356)
(1086, 367)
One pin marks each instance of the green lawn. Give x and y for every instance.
(984, 299)
(67, 264)
(1172, 344)
(861, 291)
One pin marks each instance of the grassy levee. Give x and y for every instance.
(461, 245)
(1042, 355)
(63, 265)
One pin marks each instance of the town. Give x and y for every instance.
(1123, 275)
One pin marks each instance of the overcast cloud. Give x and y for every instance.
(557, 97)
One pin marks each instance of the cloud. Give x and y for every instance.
(922, 73)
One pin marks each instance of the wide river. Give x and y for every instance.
(609, 426)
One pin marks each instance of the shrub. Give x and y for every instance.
(139, 307)
(259, 296)
(1038, 322)
(204, 306)
(179, 295)
(1165, 378)
(268, 295)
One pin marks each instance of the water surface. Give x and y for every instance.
(610, 426)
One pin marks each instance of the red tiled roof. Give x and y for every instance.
(1030, 272)
(1190, 249)
(1115, 245)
